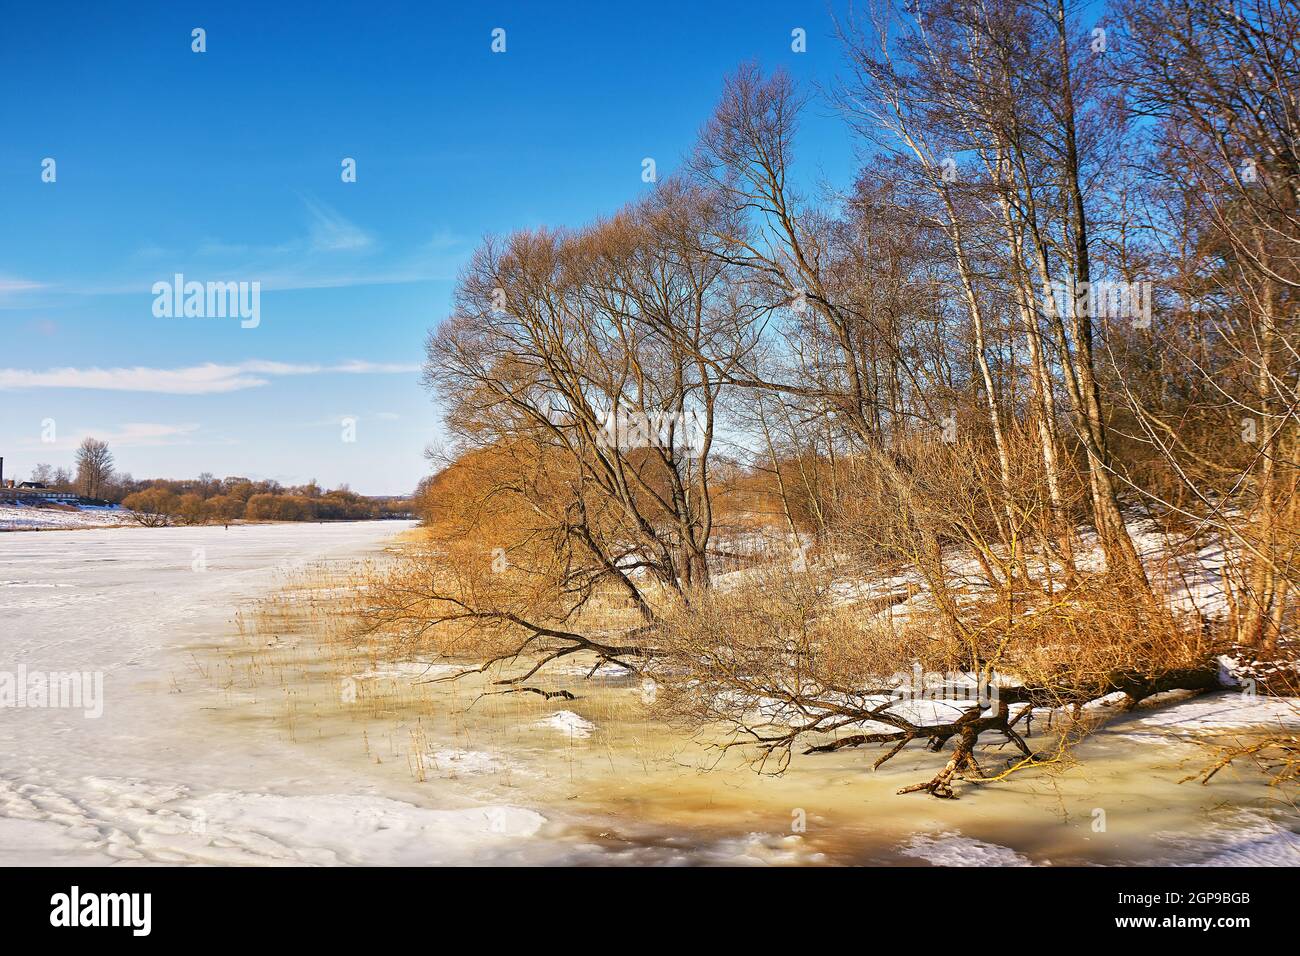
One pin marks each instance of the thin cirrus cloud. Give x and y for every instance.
(132, 435)
(13, 290)
(328, 231)
(207, 379)
(9, 284)
(330, 251)
(331, 232)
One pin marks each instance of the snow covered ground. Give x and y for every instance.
(29, 518)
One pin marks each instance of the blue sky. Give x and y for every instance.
(225, 166)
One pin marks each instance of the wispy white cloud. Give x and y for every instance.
(14, 293)
(332, 253)
(129, 435)
(330, 232)
(9, 284)
(150, 433)
(207, 379)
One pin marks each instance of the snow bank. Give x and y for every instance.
(14, 517)
(1226, 711)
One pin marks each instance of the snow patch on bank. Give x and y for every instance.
(27, 517)
(950, 848)
(1226, 711)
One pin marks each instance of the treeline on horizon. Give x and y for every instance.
(205, 499)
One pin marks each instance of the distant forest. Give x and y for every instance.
(160, 501)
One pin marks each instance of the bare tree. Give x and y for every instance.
(1220, 82)
(913, 377)
(94, 466)
(589, 358)
(997, 85)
